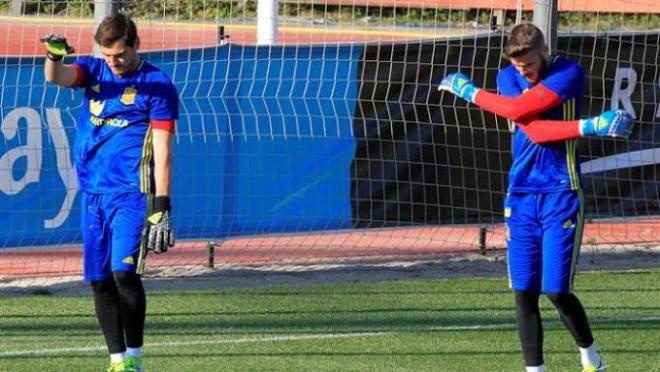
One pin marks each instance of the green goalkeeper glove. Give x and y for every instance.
(56, 47)
(159, 230)
(613, 123)
(460, 85)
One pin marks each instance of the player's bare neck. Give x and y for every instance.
(132, 68)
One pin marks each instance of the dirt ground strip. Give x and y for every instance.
(463, 265)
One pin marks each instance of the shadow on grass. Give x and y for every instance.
(334, 354)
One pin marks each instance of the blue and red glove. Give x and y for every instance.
(613, 123)
(460, 85)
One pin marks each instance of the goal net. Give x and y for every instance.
(315, 133)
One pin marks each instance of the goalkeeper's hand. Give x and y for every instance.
(460, 85)
(56, 47)
(159, 230)
(613, 123)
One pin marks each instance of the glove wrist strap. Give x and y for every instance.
(162, 204)
(54, 57)
(584, 126)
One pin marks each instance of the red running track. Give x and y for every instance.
(376, 245)
(21, 39)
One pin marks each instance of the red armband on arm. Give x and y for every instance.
(546, 131)
(167, 125)
(80, 76)
(530, 103)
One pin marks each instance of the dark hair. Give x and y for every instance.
(114, 28)
(524, 38)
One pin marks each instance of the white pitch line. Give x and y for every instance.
(320, 336)
(201, 342)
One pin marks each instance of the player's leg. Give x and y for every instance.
(563, 225)
(524, 266)
(530, 329)
(97, 271)
(133, 305)
(128, 213)
(106, 304)
(574, 317)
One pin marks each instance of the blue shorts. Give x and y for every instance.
(112, 233)
(543, 234)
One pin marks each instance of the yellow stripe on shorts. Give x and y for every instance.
(145, 163)
(577, 244)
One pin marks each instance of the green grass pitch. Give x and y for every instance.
(412, 325)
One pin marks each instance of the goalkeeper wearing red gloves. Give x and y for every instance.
(543, 211)
(123, 162)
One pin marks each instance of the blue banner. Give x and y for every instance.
(264, 144)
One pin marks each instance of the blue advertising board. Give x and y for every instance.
(264, 144)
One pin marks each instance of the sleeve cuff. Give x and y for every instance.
(80, 76)
(167, 125)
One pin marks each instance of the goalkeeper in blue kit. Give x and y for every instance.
(122, 155)
(544, 207)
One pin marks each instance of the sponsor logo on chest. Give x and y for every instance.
(128, 97)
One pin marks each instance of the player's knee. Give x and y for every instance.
(560, 299)
(527, 302)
